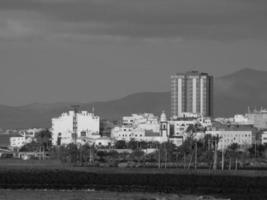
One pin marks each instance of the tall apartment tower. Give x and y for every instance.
(191, 92)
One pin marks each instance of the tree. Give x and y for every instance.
(257, 150)
(143, 145)
(233, 153)
(30, 147)
(186, 149)
(105, 127)
(133, 144)
(137, 156)
(71, 153)
(121, 144)
(85, 153)
(43, 138)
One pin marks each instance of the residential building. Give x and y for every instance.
(178, 128)
(72, 127)
(241, 119)
(191, 92)
(20, 139)
(142, 127)
(258, 118)
(230, 134)
(264, 138)
(147, 127)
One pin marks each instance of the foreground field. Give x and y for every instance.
(16, 164)
(92, 195)
(135, 180)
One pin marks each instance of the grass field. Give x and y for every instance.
(56, 164)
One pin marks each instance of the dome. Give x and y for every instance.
(163, 117)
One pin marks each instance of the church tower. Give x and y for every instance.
(163, 125)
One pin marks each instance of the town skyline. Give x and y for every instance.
(78, 100)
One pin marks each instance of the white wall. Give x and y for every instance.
(86, 122)
(243, 138)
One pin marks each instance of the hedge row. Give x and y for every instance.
(70, 179)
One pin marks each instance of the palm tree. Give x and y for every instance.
(233, 153)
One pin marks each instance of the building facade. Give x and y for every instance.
(191, 92)
(85, 124)
(142, 127)
(264, 138)
(228, 135)
(23, 137)
(258, 118)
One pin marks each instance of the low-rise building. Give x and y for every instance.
(264, 138)
(85, 124)
(145, 127)
(228, 135)
(258, 118)
(21, 138)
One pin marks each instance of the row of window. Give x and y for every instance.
(130, 135)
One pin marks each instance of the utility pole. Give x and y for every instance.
(215, 157)
(255, 146)
(222, 159)
(166, 156)
(195, 155)
(159, 156)
(75, 124)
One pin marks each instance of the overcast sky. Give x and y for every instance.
(87, 50)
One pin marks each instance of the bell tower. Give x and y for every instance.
(163, 125)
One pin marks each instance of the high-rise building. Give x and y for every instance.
(191, 92)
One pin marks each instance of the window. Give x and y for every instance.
(83, 133)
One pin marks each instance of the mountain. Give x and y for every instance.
(39, 115)
(232, 94)
(236, 92)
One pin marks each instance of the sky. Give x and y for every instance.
(98, 50)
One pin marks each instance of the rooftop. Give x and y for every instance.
(150, 133)
(233, 127)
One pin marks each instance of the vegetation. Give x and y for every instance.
(202, 153)
(147, 180)
(42, 142)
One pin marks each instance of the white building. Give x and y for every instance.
(146, 121)
(240, 134)
(241, 119)
(178, 127)
(63, 128)
(264, 138)
(143, 127)
(104, 142)
(20, 139)
(258, 118)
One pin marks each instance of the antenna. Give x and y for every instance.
(75, 127)
(93, 109)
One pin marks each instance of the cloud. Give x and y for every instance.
(138, 19)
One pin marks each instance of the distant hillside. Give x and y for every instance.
(232, 94)
(235, 92)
